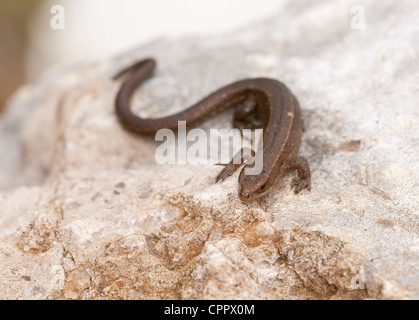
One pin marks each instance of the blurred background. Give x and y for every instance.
(95, 29)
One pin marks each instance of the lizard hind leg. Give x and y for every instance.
(245, 115)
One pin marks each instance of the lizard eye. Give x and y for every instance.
(262, 188)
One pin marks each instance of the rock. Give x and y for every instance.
(86, 213)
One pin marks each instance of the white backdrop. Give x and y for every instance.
(97, 28)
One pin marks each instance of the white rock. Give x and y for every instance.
(82, 194)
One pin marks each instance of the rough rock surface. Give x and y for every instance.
(86, 213)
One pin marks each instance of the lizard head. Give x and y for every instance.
(252, 187)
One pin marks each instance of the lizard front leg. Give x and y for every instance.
(304, 175)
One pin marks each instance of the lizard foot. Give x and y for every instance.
(300, 184)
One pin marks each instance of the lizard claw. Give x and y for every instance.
(300, 184)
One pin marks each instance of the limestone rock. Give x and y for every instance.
(86, 213)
